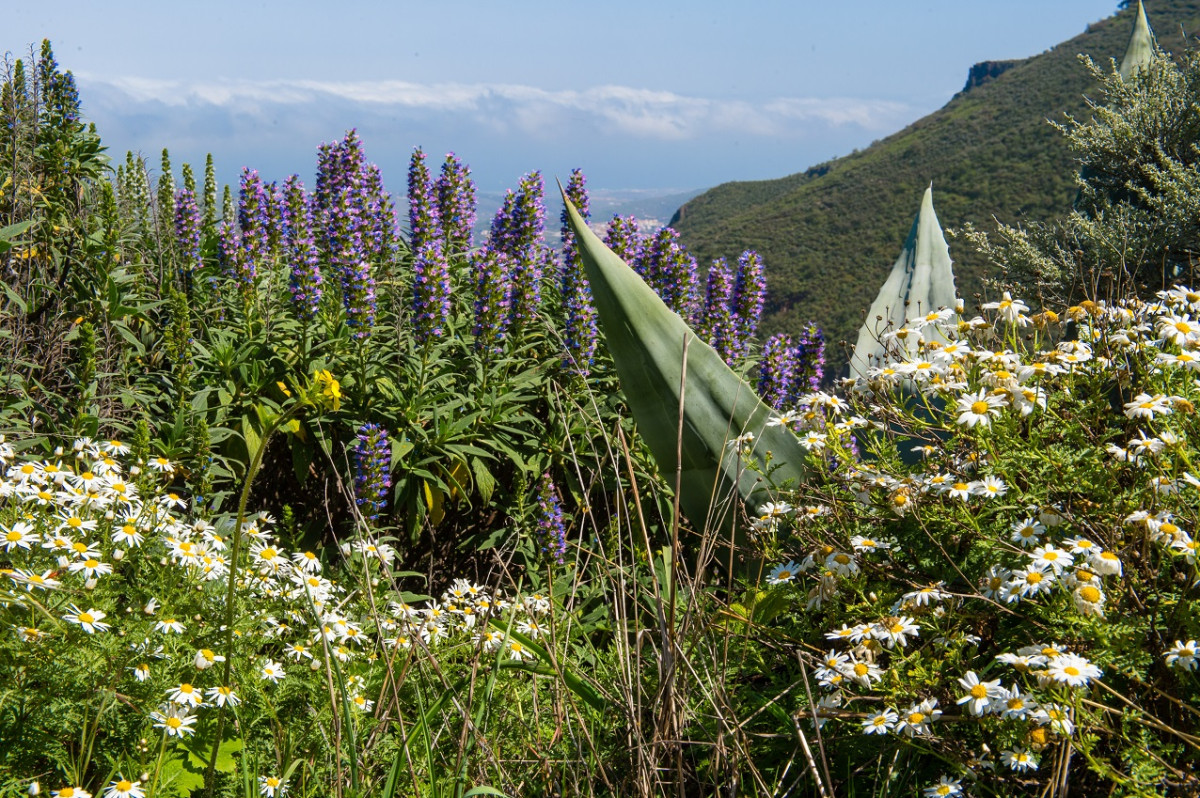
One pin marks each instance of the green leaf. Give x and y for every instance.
(1139, 52)
(176, 779)
(251, 436)
(199, 752)
(646, 340)
(586, 691)
(921, 281)
(483, 790)
(484, 481)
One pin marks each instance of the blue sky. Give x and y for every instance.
(648, 95)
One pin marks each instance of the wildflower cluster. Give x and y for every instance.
(304, 274)
(372, 469)
(1031, 506)
(187, 231)
(580, 332)
(103, 559)
(357, 224)
(455, 192)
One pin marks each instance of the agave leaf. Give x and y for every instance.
(921, 281)
(1141, 48)
(646, 339)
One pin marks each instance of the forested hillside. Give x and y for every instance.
(829, 235)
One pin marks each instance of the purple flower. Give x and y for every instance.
(423, 219)
(493, 289)
(749, 296)
(305, 273)
(777, 372)
(187, 232)
(579, 324)
(358, 297)
(551, 530)
(59, 95)
(623, 238)
(716, 323)
(671, 272)
(455, 192)
(431, 291)
(372, 456)
(518, 230)
(357, 223)
(254, 219)
(232, 257)
(380, 213)
(810, 358)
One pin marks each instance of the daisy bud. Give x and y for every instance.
(151, 606)
(90, 584)
(63, 562)
(314, 665)
(145, 777)
(118, 554)
(34, 788)
(134, 471)
(58, 452)
(109, 515)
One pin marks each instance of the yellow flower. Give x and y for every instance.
(331, 389)
(283, 389)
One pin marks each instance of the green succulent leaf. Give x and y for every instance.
(921, 281)
(646, 340)
(1141, 46)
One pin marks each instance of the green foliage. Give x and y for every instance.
(694, 412)
(921, 283)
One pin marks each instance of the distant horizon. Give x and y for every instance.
(659, 99)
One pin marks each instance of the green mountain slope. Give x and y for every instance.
(830, 235)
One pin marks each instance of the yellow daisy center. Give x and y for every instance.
(979, 691)
(979, 408)
(1089, 594)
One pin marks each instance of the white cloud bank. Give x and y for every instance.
(620, 110)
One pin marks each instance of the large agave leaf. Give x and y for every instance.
(921, 281)
(1141, 45)
(646, 340)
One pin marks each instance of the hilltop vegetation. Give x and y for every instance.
(830, 234)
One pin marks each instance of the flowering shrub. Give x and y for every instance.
(1004, 582)
(113, 605)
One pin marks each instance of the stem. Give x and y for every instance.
(162, 750)
(251, 470)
